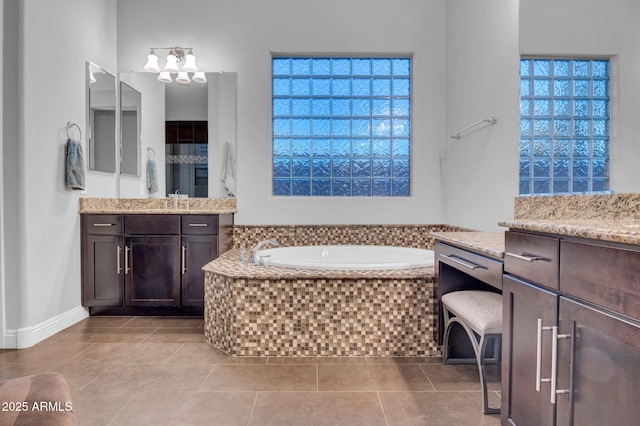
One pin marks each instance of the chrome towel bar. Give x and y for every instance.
(490, 120)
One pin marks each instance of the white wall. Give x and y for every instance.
(223, 109)
(596, 27)
(44, 231)
(239, 36)
(481, 168)
(186, 102)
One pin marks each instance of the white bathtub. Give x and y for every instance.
(346, 257)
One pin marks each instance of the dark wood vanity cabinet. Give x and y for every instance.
(149, 262)
(102, 260)
(571, 352)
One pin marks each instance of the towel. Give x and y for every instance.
(74, 165)
(152, 175)
(228, 175)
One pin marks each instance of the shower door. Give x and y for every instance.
(187, 160)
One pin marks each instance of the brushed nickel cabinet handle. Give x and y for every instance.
(554, 364)
(184, 260)
(118, 265)
(539, 379)
(526, 257)
(102, 225)
(127, 268)
(463, 262)
(201, 225)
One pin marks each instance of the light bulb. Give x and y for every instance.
(190, 62)
(183, 78)
(165, 77)
(152, 62)
(172, 63)
(199, 77)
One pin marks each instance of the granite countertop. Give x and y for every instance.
(617, 230)
(228, 264)
(488, 243)
(157, 205)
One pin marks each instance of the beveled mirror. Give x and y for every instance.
(130, 116)
(101, 119)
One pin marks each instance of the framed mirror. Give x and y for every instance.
(130, 117)
(101, 119)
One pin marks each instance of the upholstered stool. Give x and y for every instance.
(480, 315)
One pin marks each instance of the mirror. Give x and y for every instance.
(101, 119)
(130, 116)
(191, 159)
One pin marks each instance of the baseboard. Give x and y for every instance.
(29, 336)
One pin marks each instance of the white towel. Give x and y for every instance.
(228, 175)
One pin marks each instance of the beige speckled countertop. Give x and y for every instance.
(616, 230)
(157, 205)
(228, 264)
(488, 243)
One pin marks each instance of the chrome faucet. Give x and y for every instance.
(254, 250)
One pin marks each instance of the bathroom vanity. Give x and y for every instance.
(466, 261)
(571, 337)
(147, 261)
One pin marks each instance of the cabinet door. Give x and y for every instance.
(152, 266)
(524, 305)
(197, 251)
(606, 367)
(102, 260)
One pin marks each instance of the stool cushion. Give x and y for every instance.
(45, 399)
(479, 310)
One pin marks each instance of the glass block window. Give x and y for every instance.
(564, 125)
(341, 126)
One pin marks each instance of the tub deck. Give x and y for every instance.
(273, 311)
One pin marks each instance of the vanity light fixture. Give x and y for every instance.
(174, 57)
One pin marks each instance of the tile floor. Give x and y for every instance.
(150, 370)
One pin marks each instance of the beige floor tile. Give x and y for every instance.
(437, 409)
(262, 378)
(301, 360)
(99, 407)
(317, 408)
(178, 377)
(46, 353)
(404, 360)
(396, 377)
(460, 377)
(175, 335)
(106, 335)
(187, 408)
(127, 353)
(172, 322)
(114, 322)
(19, 369)
(204, 353)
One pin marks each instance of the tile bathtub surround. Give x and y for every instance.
(268, 311)
(581, 206)
(158, 205)
(417, 236)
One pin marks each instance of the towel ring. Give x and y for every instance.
(151, 151)
(69, 126)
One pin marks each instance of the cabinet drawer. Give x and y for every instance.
(480, 267)
(102, 224)
(532, 257)
(152, 224)
(605, 276)
(199, 224)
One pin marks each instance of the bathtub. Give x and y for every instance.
(346, 257)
